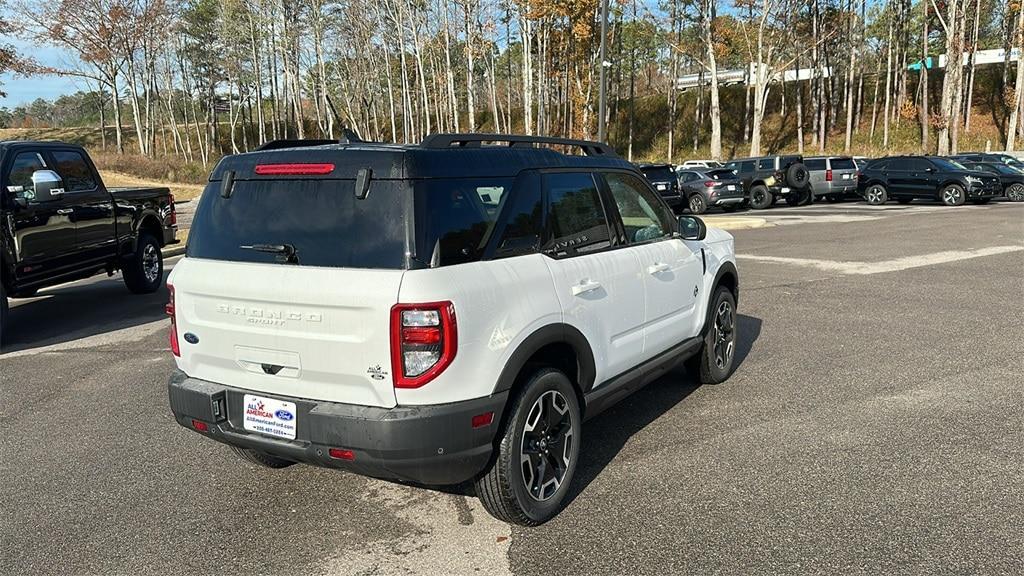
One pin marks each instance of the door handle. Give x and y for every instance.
(65, 211)
(585, 286)
(658, 268)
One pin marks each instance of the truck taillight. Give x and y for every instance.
(423, 342)
(828, 175)
(173, 334)
(173, 217)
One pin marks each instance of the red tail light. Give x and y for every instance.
(172, 218)
(173, 335)
(294, 169)
(828, 175)
(423, 342)
(711, 184)
(341, 454)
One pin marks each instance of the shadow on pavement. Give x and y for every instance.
(79, 310)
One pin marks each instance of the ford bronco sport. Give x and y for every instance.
(441, 312)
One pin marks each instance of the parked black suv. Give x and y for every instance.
(988, 157)
(768, 178)
(663, 178)
(1010, 177)
(905, 178)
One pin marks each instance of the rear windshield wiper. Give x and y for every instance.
(286, 253)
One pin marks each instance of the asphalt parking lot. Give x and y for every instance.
(875, 424)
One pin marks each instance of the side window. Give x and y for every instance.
(577, 223)
(917, 164)
(815, 164)
(641, 213)
(20, 177)
(766, 164)
(523, 226)
(73, 168)
(747, 166)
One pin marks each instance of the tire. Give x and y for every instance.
(953, 195)
(904, 200)
(876, 195)
(697, 204)
(797, 176)
(1015, 192)
(760, 197)
(549, 400)
(717, 357)
(144, 270)
(3, 314)
(261, 458)
(800, 198)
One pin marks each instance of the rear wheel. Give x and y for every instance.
(144, 269)
(698, 205)
(261, 458)
(876, 195)
(714, 362)
(760, 197)
(536, 458)
(1015, 193)
(953, 195)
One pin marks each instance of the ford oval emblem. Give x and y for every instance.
(284, 415)
(191, 338)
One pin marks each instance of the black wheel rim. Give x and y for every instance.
(1016, 193)
(725, 335)
(546, 451)
(758, 197)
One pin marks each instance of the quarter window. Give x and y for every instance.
(576, 218)
(766, 164)
(641, 213)
(73, 168)
(747, 166)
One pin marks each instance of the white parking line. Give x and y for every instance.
(864, 268)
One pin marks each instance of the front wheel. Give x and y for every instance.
(876, 195)
(698, 205)
(953, 195)
(1015, 193)
(144, 269)
(714, 363)
(537, 454)
(760, 197)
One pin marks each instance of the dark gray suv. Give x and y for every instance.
(707, 187)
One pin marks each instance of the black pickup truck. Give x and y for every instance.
(58, 222)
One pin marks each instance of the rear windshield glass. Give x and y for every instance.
(455, 218)
(659, 174)
(721, 174)
(843, 164)
(320, 220)
(815, 163)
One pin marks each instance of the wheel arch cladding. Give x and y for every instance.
(728, 277)
(151, 224)
(558, 345)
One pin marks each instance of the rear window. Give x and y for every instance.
(721, 174)
(320, 219)
(815, 164)
(659, 174)
(455, 218)
(843, 164)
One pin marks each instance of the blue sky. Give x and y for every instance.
(21, 90)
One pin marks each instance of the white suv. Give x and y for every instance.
(440, 312)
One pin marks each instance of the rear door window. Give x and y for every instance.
(766, 164)
(843, 164)
(815, 164)
(455, 218)
(747, 166)
(74, 170)
(577, 221)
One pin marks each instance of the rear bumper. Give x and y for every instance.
(431, 445)
(984, 191)
(728, 201)
(170, 235)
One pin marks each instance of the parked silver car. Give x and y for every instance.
(832, 177)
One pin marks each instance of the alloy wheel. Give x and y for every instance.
(150, 263)
(874, 195)
(951, 195)
(546, 447)
(1015, 193)
(725, 335)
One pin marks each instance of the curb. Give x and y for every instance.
(730, 223)
(174, 250)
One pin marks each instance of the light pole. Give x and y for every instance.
(603, 98)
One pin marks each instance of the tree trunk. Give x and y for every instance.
(925, 115)
(1018, 89)
(715, 112)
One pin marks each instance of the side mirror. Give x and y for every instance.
(46, 186)
(692, 228)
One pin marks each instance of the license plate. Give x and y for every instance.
(662, 187)
(846, 176)
(269, 416)
(730, 188)
(784, 190)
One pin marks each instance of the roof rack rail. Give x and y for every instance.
(440, 141)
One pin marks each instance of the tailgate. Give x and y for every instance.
(304, 332)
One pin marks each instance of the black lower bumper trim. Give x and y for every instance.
(430, 445)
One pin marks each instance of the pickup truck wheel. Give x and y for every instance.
(953, 195)
(144, 270)
(714, 363)
(697, 204)
(537, 452)
(760, 197)
(876, 195)
(1015, 193)
(261, 458)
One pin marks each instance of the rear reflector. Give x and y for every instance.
(200, 426)
(341, 454)
(481, 420)
(294, 169)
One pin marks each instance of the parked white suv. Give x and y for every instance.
(440, 312)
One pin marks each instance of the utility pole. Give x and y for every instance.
(603, 98)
